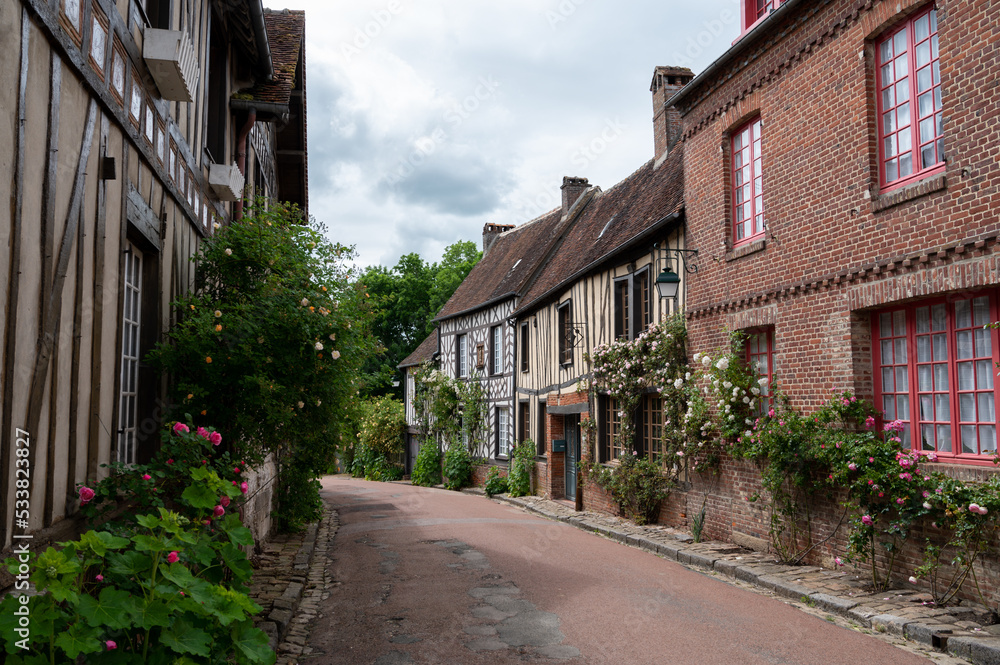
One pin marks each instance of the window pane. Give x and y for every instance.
(903, 92)
(899, 322)
(886, 75)
(981, 311)
(891, 170)
(943, 407)
(900, 350)
(923, 378)
(969, 439)
(903, 407)
(923, 319)
(927, 129)
(889, 97)
(902, 382)
(940, 347)
(987, 439)
(936, 69)
(899, 42)
(924, 349)
(965, 378)
(889, 122)
(885, 51)
(939, 317)
(984, 374)
(923, 79)
(889, 146)
(967, 407)
(927, 437)
(923, 53)
(987, 407)
(934, 47)
(888, 385)
(926, 407)
(982, 343)
(964, 340)
(940, 377)
(889, 407)
(944, 438)
(927, 156)
(963, 314)
(905, 143)
(905, 165)
(902, 113)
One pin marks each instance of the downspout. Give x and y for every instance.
(260, 37)
(241, 158)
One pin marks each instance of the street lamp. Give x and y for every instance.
(668, 282)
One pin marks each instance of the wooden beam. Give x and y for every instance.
(49, 186)
(17, 202)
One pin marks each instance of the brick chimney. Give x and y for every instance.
(666, 122)
(571, 190)
(490, 233)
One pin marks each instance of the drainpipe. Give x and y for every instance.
(241, 158)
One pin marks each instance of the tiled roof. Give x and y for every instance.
(285, 34)
(507, 266)
(611, 222)
(424, 352)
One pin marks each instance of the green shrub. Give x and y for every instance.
(636, 485)
(495, 483)
(156, 587)
(427, 467)
(457, 466)
(521, 463)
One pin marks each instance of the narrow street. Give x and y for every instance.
(430, 576)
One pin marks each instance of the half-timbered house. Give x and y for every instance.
(129, 129)
(427, 352)
(598, 286)
(475, 333)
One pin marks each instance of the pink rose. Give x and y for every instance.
(244, 487)
(852, 466)
(236, 469)
(202, 432)
(110, 644)
(900, 501)
(215, 438)
(837, 560)
(224, 501)
(170, 461)
(173, 557)
(146, 476)
(870, 422)
(181, 427)
(99, 577)
(219, 511)
(86, 495)
(867, 520)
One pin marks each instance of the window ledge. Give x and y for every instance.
(920, 188)
(751, 247)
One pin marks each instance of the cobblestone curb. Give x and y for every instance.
(289, 583)
(907, 613)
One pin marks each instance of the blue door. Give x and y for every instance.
(571, 432)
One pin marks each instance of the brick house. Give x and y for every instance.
(124, 145)
(848, 223)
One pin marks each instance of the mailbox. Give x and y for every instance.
(558, 445)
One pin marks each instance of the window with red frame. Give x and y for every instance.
(935, 372)
(748, 184)
(755, 10)
(760, 360)
(910, 125)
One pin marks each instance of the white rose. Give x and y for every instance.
(723, 364)
(318, 346)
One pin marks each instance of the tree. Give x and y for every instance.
(405, 300)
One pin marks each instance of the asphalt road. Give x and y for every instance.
(431, 576)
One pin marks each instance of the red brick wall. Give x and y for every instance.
(836, 247)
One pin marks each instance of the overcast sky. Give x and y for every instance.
(429, 118)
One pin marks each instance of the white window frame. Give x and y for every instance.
(503, 432)
(131, 318)
(462, 351)
(496, 350)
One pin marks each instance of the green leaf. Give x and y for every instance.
(148, 613)
(185, 638)
(237, 561)
(108, 610)
(200, 496)
(252, 645)
(129, 564)
(145, 543)
(241, 536)
(179, 575)
(148, 521)
(78, 639)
